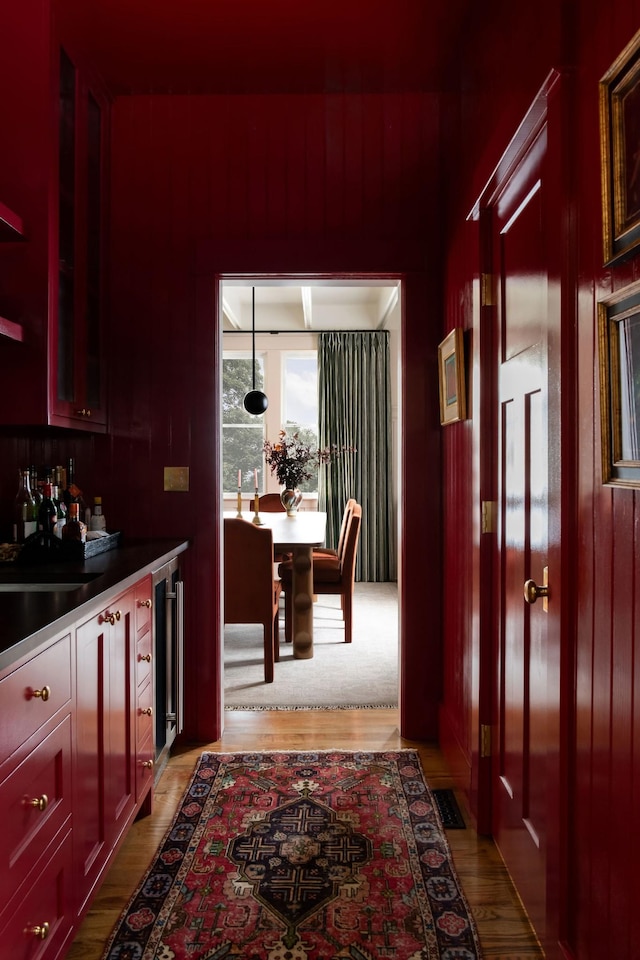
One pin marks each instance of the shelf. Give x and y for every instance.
(11, 330)
(11, 225)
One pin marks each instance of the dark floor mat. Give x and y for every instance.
(449, 810)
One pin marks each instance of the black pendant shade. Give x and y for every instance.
(255, 402)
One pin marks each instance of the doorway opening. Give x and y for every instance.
(287, 315)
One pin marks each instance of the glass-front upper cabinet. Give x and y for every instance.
(77, 388)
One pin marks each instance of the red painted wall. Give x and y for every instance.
(595, 914)
(203, 186)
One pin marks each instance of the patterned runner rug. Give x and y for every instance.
(301, 856)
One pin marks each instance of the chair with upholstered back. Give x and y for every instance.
(270, 503)
(337, 551)
(251, 594)
(331, 575)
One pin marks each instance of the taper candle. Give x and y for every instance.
(239, 479)
(255, 477)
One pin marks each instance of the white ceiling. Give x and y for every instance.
(316, 307)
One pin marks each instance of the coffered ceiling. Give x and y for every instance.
(312, 307)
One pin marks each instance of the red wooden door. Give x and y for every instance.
(520, 785)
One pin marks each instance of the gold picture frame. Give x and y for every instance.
(619, 356)
(453, 406)
(620, 154)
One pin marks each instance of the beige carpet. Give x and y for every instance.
(361, 674)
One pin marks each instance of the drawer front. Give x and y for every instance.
(144, 658)
(144, 768)
(38, 921)
(35, 801)
(33, 693)
(144, 600)
(144, 714)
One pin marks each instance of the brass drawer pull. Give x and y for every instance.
(39, 930)
(145, 603)
(146, 657)
(107, 618)
(43, 694)
(147, 712)
(147, 764)
(38, 803)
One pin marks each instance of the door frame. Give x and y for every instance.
(550, 107)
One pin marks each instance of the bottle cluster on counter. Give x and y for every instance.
(49, 501)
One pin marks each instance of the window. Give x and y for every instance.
(242, 434)
(290, 380)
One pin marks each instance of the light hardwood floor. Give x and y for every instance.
(504, 931)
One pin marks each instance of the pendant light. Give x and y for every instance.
(255, 402)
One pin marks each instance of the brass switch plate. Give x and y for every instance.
(176, 479)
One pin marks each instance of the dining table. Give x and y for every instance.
(297, 535)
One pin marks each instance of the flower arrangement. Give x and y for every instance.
(294, 461)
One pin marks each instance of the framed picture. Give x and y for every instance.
(620, 153)
(453, 405)
(619, 350)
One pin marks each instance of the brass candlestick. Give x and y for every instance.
(256, 508)
(239, 513)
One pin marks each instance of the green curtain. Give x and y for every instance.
(354, 390)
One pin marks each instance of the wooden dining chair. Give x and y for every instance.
(251, 593)
(331, 575)
(337, 551)
(270, 502)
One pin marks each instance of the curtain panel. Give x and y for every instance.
(354, 390)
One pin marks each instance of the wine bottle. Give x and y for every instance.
(73, 493)
(36, 493)
(24, 517)
(47, 513)
(74, 528)
(61, 510)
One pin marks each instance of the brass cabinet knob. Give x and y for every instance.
(117, 615)
(84, 412)
(147, 764)
(39, 930)
(146, 657)
(145, 603)
(43, 694)
(107, 618)
(147, 712)
(38, 803)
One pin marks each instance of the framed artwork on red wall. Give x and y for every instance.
(453, 405)
(620, 153)
(619, 350)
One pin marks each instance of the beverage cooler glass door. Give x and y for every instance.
(169, 657)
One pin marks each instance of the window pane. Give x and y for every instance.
(300, 393)
(242, 433)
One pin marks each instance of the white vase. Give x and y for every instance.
(291, 500)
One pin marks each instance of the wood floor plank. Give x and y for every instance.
(504, 930)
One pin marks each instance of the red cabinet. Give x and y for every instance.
(104, 794)
(52, 189)
(36, 919)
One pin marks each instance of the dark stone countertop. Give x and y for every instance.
(29, 618)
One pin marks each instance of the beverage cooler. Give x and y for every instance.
(169, 658)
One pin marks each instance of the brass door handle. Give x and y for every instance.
(144, 603)
(532, 591)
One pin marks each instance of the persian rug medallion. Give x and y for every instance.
(301, 856)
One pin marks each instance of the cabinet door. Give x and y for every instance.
(105, 776)
(77, 386)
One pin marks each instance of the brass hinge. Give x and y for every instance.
(485, 740)
(489, 510)
(487, 298)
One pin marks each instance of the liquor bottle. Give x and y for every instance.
(36, 492)
(61, 510)
(74, 528)
(47, 513)
(98, 521)
(24, 518)
(72, 492)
